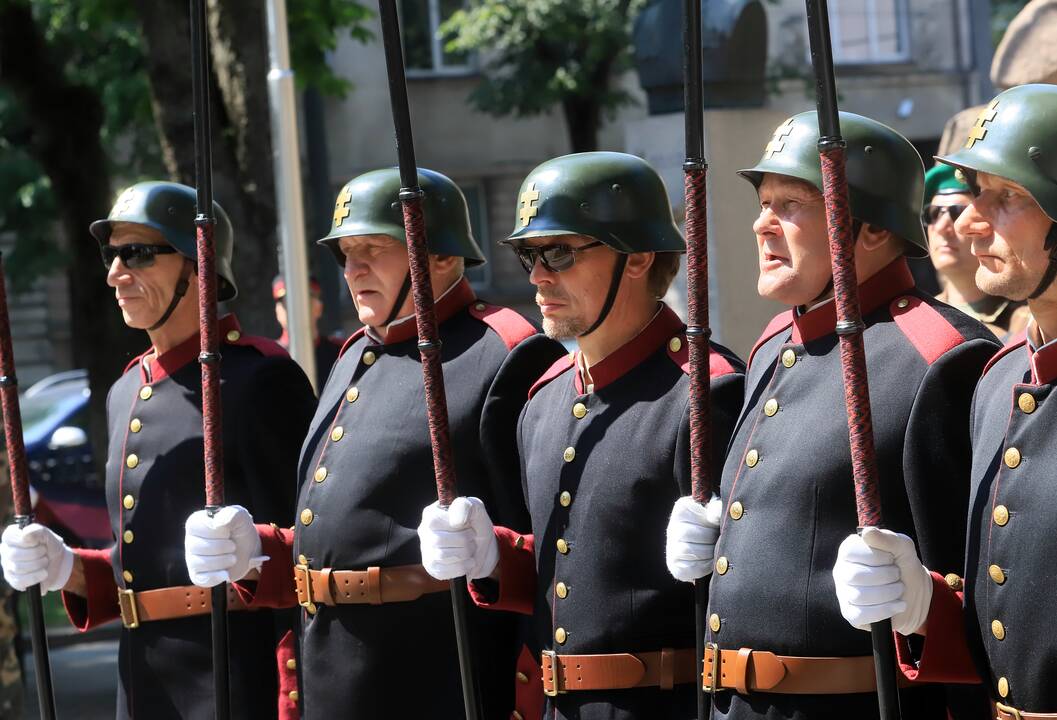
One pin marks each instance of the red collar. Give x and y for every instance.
(894, 279)
(459, 296)
(664, 325)
(169, 362)
(1043, 362)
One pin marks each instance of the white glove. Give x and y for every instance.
(222, 548)
(692, 533)
(33, 555)
(878, 576)
(458, 541)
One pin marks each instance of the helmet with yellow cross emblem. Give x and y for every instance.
(885, 174)
(613, 197)
(369, 204)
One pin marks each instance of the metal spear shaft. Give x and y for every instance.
(16, 459)
(428, 335)
(850, 327)
(209, 357)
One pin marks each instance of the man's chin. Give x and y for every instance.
(1004, 284)
(557, 329)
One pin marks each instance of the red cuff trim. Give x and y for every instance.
(517, 574)
(929, 332)
(528, 694)
(286, 661)
(946, 656)
(100, 606)
(275, 588)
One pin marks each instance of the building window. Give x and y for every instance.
(481, 276)
(424, 52)
(869, 31)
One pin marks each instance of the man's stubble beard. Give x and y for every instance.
(1009, 285)
(564, 329)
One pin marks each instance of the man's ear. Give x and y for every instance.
(639, 264)
(442, 264)
(873, 238)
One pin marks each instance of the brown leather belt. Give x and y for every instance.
(664, 669)
(168, 604)
(372, 586)
(749, 670)
(1005, 712)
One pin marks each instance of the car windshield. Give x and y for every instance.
(42, 411)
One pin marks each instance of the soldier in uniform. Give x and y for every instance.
(327, 347)
(378, 635)
(777, 646)
(604, 445)
(1003, 633)
(155, 476)
(947, 195)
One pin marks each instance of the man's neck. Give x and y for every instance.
(407, 312)
(962, 290)
(176, 330)
(1044, 312)
(621, 326)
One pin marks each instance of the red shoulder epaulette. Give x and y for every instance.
(560, 365)
(352, 338)
(930, 333)
(778, 323)
(1017, 341)
(511, 327)
(263, 345)
(718, 365)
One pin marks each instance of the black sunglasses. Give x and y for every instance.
(555, 258)
(134, 255)
(932, 212)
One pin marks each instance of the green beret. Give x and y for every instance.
(943, 180)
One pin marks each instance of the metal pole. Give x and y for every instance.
(428, 335)
(209, 356)
(849, 327)
(287, 159)
(16, 459)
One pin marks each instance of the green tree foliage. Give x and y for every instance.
(539, 54)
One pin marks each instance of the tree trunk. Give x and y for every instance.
(66, 143)
(242, 151)
(582, 120)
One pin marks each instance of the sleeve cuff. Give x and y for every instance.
(100, 604)
(286, 659)
(275, 587)
(945, 657)
(517, 575)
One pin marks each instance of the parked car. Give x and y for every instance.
(61, 462)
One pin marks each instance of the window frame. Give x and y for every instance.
(875, 58)
(439, 69)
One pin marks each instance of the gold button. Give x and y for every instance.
(565, 498)
(302, 560)
(1027, 403)
(998, 630)
(515, 715)
(953, 581)
(561, 590)
(722, 565)
(129, 502)
(788, 358)
(1003, 687)
(519, 542)
(997, 574)
(737, 510)
(128, 536)
(291, 664)
(369, 358)
(903, 302)
(233, 335)
(563, 547)
(675, 344)
(1001, 515)
(579, 410)
(145, 392)
(770, 408)
(132, 460)
(135, 425)
(752, 458)
(320, 474)
(294, 695)
(479, 307)
(521, 678)
(353, 394)
(569, 455)
(127, 575)
(560, 636)
(306, 517)
(713, 622)
(1012, 457)
(337, 433)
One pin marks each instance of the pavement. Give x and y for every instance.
(85, 680)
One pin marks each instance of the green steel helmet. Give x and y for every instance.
(369, 204)
(885, 172)
(944, 180)
(170, 208)
(613, 197)
(1015, 138)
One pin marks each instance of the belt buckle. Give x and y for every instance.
(713, 686)
(307, 603)
(126, 602)
(1009, 711)
(555, 675)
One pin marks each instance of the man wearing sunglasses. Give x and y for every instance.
(154, 476)
(327, 347)
(378, 638)
(947, 196)
(604, 442)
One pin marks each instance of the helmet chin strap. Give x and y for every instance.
(400, 298)
(1051, 269)
(611, 296)
(181, 289)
